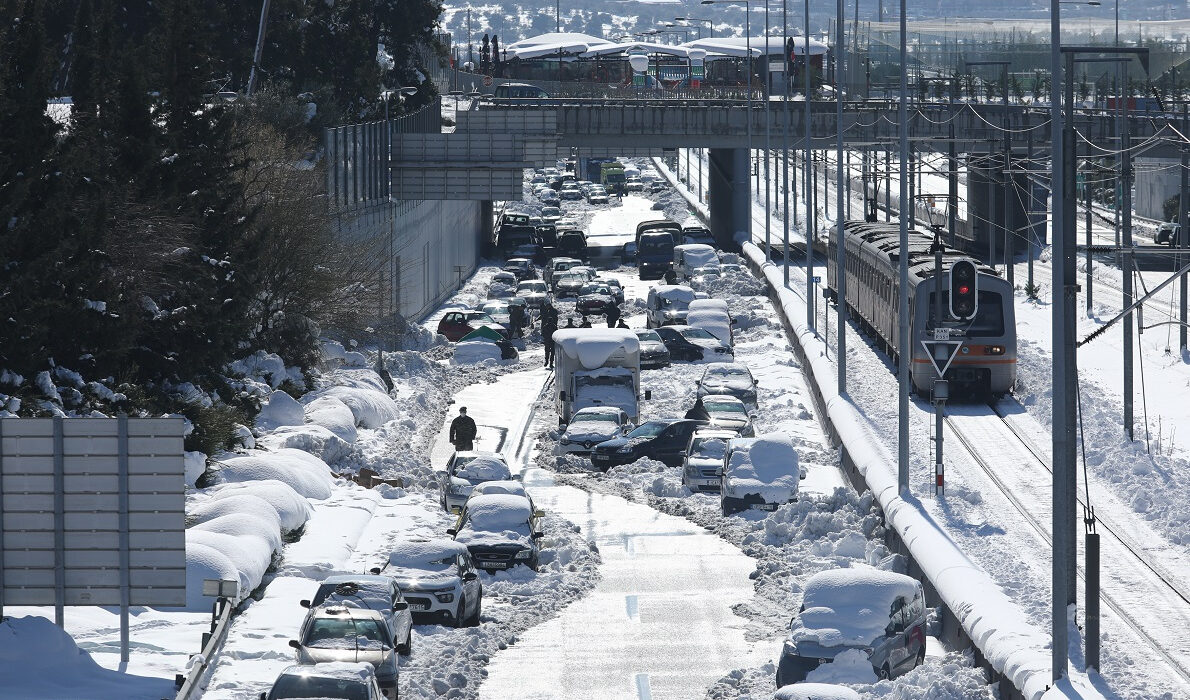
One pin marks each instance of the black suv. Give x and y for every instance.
(663, 440)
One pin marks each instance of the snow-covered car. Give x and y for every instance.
(557, 266)
(705, 274)
(668, 304)
(729, 269)
(500, 282)
(500, 531)
(815, 691)
(759, 473)
(521, 268)
(339, 633)
(497, 309)
(653, 353)
(880, 615)
(664, 440)
(569, 284)
(723, 411)
(688, 257)
(534, 292)
(634, 184)
(697, 234)
(734, 379)
(549, 197)
(510, 487)
(703, 462)
(333, 680)
(713, 321)
(592, 425)
(438, 579)
(379, 593)
(689, 344)
(570, 191)
(597, 195)
(616, 287)
(551, 215)
(464, 471)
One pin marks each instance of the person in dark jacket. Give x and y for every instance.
(516, 319)
(549, 324)
(613, 315)
(671, 277)
(462, 431)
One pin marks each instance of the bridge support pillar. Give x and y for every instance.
(730, 196)
(487, 226)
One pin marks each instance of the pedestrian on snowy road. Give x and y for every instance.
(462, 431)
(549, 324)
(613, 315)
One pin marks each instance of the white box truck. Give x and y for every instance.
(596, 367)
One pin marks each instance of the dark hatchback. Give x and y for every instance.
(663, 440)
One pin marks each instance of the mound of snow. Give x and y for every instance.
(815, 691)
(267, 367)
(205, 562)
(370, 407)
(334, 415)
(246, 525)
(851, 666)
(473, 352)
(307, 474)
(40, 660)
(281, 409)
(249, 555)
(292, 509)
(195, 464)
(233, 505)
(314, 439)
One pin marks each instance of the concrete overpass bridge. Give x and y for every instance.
(485, 156)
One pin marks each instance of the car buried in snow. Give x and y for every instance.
(379, 593)
(880, 614)
(733, 379)
(664, 440)
(759, 473)
(466, 469)
(330, 680)
(723, 411)
(500, 531)
(689, 344)
(438, 580)
(591, 426)
(703, 462)
(338, 633)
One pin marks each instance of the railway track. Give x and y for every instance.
(1138, 583)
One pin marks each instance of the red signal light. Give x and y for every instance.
(964, 289)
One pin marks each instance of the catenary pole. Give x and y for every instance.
(840, 190)
(905, 210)
(787, 86)
(806, 166)
(1183, 241)
(1061, 447)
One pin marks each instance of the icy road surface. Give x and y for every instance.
(659, 624)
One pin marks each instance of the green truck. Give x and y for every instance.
(611, 176)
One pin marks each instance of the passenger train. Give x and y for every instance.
(986, 364)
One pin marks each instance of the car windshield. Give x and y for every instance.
(645, 336)
(478, 316)
(303, 686)
(729, 372)
(493, 309)
(648, 429)
(592, 416)
(722, 406)
(345, 633)
(596, 289)
(697, 334)
(653, 244)
(708, 448)
(572, 278)
(531, 287)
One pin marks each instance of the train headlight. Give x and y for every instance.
(993, 349)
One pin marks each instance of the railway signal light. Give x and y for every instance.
(964, 290)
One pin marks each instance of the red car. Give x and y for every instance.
(456, 324)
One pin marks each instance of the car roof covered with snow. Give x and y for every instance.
(844, 607)
(766, 465)
(675, 292)
(700, 304)
(815, 691)
(593, 411)
(484, 467)
(505, 486)
(346, 670)
(593, 346)
(496, 510)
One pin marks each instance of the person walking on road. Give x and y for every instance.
(462, 431)
(613, 315)
(549, 324)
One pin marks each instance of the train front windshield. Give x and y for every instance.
(989, 316)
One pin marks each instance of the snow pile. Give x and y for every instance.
(267, 368)
(816, 691)
(40, 660)
(594, 346)
(766, 466)
(850, 666)
(473, 352)
(195, 464)
(370, 407)
(250, 557)
(307, 474)
(484, 468)
(332, 414)
(281, 409)
(314, 439)
(205, 562)
(849, 606)
(265, 525)
(235, 504)
(335, 355)
(292, 509)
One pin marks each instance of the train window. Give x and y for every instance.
(989, 318)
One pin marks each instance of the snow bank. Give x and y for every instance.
(1011, 643)
(817, 691)
(314, 439)
(40, 660)
(250, 557)
(307, 474)
(765, 465)
(473, 352)
(205, 562)
(281, 409)
(370, 406)
(334, 415)
(233, 505)
(267, 367)
(593, 346)
(266, 526)
(195, 464)
(292, 509)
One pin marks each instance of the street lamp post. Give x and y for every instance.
(700, 20)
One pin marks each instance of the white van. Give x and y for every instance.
(667, 305)
(690, 256)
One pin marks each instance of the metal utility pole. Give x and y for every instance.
(952, 177)
(1126, 267)
(840, 189)
(788, 85)
(768, 148)
(1087, 207)
(808, 192)
(256, 54)
(1030, 216)
(1183, 233)
(1063, 413)
(903, 292)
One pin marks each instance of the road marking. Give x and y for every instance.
(642, 687)
(632, 608)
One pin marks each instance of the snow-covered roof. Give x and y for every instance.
(552, 44)
(498, 510)
(593, 346)
(484, 468)
(737, 46)
(676, 292)
(631, 46)
(703, 304)
(419, 554)
(714, 321)
(505, 486)
(765, 465)
(850, 606)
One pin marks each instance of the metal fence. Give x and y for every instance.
(357, 155)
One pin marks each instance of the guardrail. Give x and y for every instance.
(212, 642)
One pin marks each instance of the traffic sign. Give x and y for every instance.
(487, 81)
(941, 351)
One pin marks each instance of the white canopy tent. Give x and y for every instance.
(553, 44)
(647, 47)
